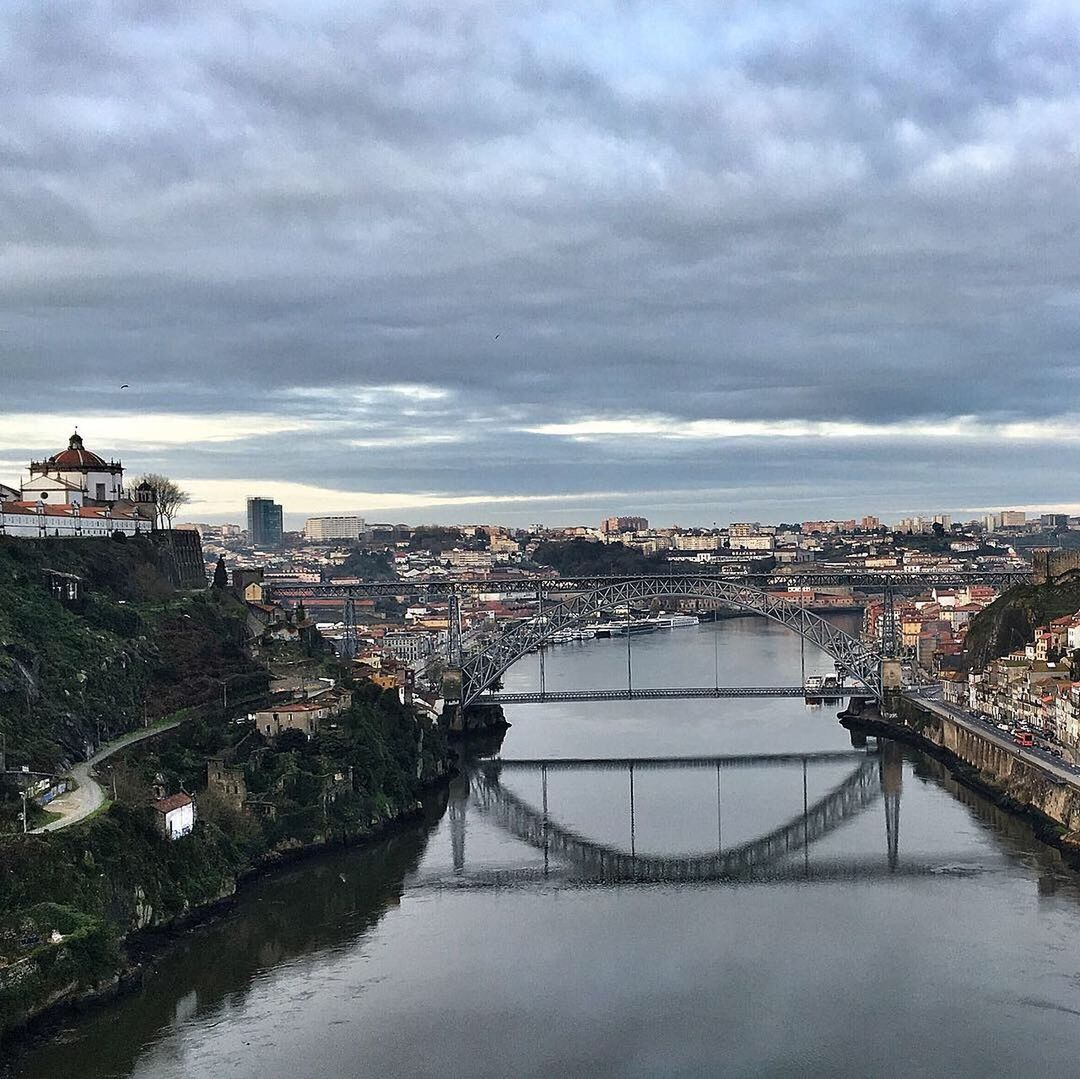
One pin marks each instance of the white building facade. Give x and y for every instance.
(319, 529)
(75, 493)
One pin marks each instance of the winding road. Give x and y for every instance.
(89, 796)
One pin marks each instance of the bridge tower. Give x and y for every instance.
(892, 675)
(451, 677)
(348, 639)
(453, 628)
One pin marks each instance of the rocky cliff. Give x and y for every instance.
(1009, 622)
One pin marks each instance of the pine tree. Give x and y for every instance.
(221, 574)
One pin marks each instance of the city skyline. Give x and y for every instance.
(413, 262)
(216, 500)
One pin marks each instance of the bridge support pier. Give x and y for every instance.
(456, 807)
(892, 684)
(451, 691)
(892, 781)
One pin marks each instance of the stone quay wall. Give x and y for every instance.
(977, 760)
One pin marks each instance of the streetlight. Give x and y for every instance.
(225, 691)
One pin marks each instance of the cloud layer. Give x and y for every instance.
(746, 258)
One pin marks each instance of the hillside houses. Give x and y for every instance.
(305, 715)
(932, 626)
(1033, 686)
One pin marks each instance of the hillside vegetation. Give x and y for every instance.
(114, 874)
(1010, 621)
(131, 651)
(583, 558)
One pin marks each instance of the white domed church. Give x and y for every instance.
(75, 476)
(75, 493)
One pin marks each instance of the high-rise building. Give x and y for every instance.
(334, 528)
(264, 521)
(1013, 518)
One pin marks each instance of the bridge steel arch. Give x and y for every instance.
(849, 798)
(482, 667)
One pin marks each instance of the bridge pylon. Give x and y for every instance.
(349, 636)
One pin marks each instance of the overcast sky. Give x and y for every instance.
(544, 262)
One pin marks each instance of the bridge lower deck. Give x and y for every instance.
(674, 693)
(733, 760)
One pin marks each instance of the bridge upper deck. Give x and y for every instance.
(873, 580)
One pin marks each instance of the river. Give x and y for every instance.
(457, 948)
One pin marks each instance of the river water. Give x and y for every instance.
(465, 946)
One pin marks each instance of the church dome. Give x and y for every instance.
(75, 456)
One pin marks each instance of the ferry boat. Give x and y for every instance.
(581, 633)
(823, 687)
(674, 621)
(621, 629)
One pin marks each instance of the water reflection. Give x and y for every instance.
(538, 827)
(294, 918)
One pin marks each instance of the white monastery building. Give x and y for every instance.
(75, 493)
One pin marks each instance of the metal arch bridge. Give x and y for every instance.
(603, 861)
(491, 655)
(483, 659)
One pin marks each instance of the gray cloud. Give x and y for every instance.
(745, 211)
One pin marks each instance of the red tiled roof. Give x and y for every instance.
(173, 802)
(293, 706)
(59, 509)
(76, 456)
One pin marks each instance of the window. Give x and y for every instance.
(100, 496)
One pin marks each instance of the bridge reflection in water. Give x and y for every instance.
(876, 774)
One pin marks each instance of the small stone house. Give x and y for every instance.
(175, 815)
(295, 716)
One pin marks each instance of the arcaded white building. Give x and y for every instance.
(75, 493)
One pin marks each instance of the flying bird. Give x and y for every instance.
(497, 336)
(124, 387)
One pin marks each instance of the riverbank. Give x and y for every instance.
(88, 966)
(1050, 805)
(72, 901)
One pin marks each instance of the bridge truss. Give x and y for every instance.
(865, 580)
(535, 827)
(491, 656)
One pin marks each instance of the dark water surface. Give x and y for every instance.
(460, 948)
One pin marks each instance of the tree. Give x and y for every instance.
(221, 574)
(168, 495)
